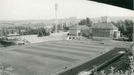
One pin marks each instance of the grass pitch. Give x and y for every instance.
(49, 57)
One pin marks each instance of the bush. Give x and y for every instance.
(86, 33)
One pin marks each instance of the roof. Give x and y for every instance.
(79, 27)
(105, 26)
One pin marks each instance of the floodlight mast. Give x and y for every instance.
(56, 8)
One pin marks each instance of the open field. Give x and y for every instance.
(46, 58)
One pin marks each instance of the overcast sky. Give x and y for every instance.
(45, 9)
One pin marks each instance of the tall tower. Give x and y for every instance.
(56, 8)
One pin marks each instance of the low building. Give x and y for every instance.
(107, 30)
(76, 31)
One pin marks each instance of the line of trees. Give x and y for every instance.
(26, 30)
(21, 30)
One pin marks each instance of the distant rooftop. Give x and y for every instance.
(79, 27)
(105, 26)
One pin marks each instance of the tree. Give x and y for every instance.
(129, 29)
(125, 27)
(82, 22)
(42, 32)
(86, 21)
(87, 34)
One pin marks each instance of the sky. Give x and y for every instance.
(45, 9)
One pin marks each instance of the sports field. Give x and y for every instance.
(49, 57)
